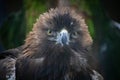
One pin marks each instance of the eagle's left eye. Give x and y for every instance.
(74, 34)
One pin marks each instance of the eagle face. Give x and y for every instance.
(64, 30)
(59, 29)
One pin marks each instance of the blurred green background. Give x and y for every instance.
(102, 16)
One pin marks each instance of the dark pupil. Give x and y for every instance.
(49, 31)
(74, 33)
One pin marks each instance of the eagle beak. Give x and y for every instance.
(63, 37)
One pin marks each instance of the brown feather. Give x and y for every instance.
(35, 37)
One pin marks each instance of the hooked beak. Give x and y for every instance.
(63, 37)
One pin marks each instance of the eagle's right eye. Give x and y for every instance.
(49, 32)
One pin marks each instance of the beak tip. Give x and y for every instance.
(63, 37)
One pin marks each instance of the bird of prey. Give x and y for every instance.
(57, 48)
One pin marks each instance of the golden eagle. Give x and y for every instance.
(57, 48)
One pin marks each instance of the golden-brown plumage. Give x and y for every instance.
(36, 35)
(57, 49)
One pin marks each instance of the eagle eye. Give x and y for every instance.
(49, 32)
(74, 34)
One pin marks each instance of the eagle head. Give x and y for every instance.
(60, 27)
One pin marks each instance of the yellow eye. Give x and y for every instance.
(74, 34)
(49, 32)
